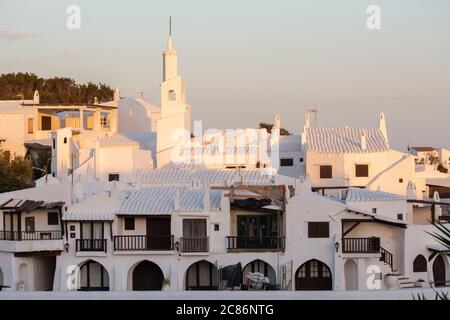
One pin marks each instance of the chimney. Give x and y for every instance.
(36, 99)
(383, 127)
(363, 141)
(176, 200)
(206, 198)
(117, 94)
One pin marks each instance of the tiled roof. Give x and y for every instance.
(100, 207)
(345, 140)
(188, 174)
(357, 194)
(117, 140)
(163, 200)
(13, 106)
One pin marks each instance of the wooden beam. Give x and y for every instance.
(350, 229)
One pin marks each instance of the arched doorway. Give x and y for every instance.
(147, 276)
(261, 267)
(439, 271)
(351, 275)
(93, 277)
(23, 277)
(202, 275)
(313, 275)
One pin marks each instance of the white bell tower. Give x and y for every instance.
(175, 113)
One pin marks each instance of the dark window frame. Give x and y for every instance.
(113, 177)
(326, 172)
(361, 170)
(286, 162)
(129, 224)
(53, 218)
(318, 229)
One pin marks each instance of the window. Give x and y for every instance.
(374, 210)
(129, 223)
(400, 216)
(92, 230)
(113, 177)
(172, 95)
(287, 162)
(72, 227)
(194, 227)
(30, 125)
(326, 172)
(46, 123)
(53, 218)
(400, 180)
(216, 227)
(65, 140)
(301, 160)
(54, 143)
(420, 264)
(29, 224)
(318, 230)
(361, 170)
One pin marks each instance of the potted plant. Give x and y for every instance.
(420, 283)
(391, 281)
(166, 283)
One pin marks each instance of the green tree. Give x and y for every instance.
(15, 174)
(20, 85)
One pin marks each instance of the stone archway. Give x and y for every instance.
(147, 276)
(202, 275)
(313, 275)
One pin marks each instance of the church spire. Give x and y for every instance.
(170, 57)
(169, 40)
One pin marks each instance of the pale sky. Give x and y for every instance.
(245, 61)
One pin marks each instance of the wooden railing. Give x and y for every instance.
(194, 244)
(32, 235)
(361, 245)
(268, 242)
(143, 243)
(91, 245)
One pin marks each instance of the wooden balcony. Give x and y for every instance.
(361, 245)
(264, 243)
(31, 235)
(194, 244)
(143, 243)
(91, 245)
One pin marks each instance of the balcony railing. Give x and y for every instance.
(91, 245)
(143, 243)
(257, 243)
(31, 235)
(361, 245)
(194, 244)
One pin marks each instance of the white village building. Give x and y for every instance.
(343, 212)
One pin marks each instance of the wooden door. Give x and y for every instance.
(313, 275)
(158, 233)
(439, 271)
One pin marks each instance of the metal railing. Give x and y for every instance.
(194, 244)
(31, 235)
(143, 243)
(361, 245)
(387, 257)
(263, 242)
(91, 245)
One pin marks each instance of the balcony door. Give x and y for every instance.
(92, 234)
(257, 225)
(158, 233)
(194, 235)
